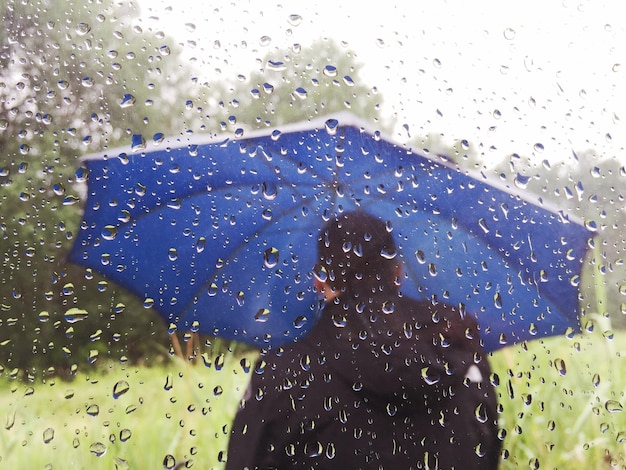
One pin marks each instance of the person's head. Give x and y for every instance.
(357, 254)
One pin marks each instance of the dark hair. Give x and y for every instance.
(357, 253)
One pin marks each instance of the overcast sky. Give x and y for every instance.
(503, 75)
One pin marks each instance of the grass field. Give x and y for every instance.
(562, 407)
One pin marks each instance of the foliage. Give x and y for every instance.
(291, 86)
(72, 80)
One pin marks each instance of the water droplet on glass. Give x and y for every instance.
(82, 29)
(269, 190)
(294, 20)
(219, 361)
(93, 410)
(613, 406)
(125, 434)
(482, 223)
(271, 256)
(109, 232)
(300, 93)
(559, 364)
(299, 322)
(137, 143)
(331, 126)
(127, 100)
(276, 66)
(432, 269)
(120, 388)
(48, 435)
(509, 34)
(169, 383)
(420, 256)
(74, 315)
(330, 71)
(595, 380)
(262, 315)
(521, 181)
(98, 449)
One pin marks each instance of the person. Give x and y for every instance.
(381, 381)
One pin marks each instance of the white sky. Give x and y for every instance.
(554, 71)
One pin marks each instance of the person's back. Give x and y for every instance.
(382, 381)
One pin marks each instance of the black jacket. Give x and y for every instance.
(380, 382)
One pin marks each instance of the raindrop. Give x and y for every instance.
(509, 34)
(109, 232)
(219, 361)
(265, 40)
(595, 380)
(82, 29)
(330, 71)
(93, 410)
(169, 383)
(87, 82)
(299, 322)
(48, 435)
(432, 269)
(127, 100)
(98, 449)
(93, 356)
(331, 126)
(137, 143)
(271, 257)
(267, 214)
(481, 413)
(482, 223)
(420, 256)
(120, 388)
(125, 434)
(497, 300)
(240, 298)
(521, 181)
(300, 93)
(269, 191)
(75, 314)
(200, 244)
(172, 254)
(276, 66)
(613, 406)
(262, 315)
(294, 20)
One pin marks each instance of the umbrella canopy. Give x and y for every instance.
(219, 236)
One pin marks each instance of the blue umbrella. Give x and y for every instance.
(219, 236)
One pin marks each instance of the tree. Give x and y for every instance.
(72, 80)
(295, 85)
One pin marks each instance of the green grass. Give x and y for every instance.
(561, 408)
(174, 414)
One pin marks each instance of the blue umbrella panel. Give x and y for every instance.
(220, 236)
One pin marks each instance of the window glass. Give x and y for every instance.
(97, 361)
